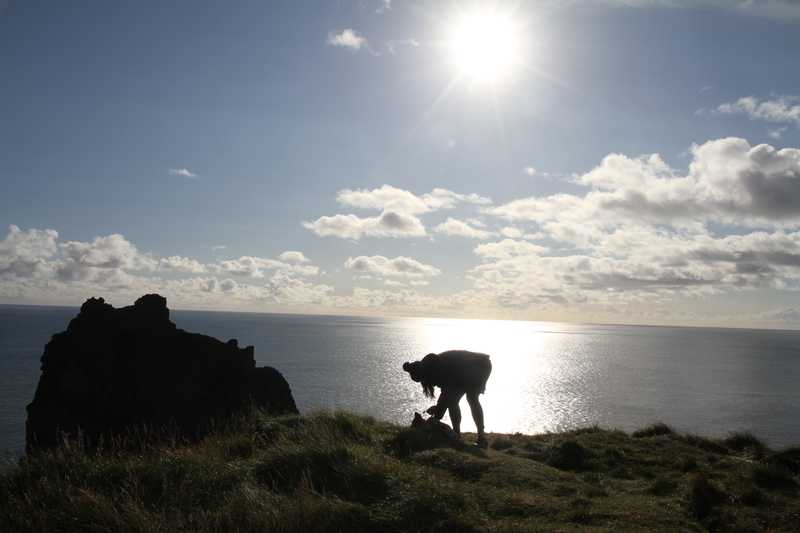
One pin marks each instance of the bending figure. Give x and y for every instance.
(456, 372)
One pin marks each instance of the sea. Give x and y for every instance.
(546, 376)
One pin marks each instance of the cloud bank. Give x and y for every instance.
(639, 239)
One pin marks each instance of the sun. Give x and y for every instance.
(485, 46)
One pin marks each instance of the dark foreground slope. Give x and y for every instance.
(339, 472)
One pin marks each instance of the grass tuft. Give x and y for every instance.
(743, 441)
(702, 443)
(502, 444)
(569, 455)
(653, 430)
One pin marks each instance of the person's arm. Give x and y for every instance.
(437, 411)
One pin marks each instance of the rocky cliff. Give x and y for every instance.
(116, 368)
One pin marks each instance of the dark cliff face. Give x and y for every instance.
(117, 368)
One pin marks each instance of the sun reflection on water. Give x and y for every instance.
(525, 391)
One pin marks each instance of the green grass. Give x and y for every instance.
(340, 472)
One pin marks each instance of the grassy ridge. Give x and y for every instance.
(340, 472)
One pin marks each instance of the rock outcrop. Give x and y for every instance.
(114, 369)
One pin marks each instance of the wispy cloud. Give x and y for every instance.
(385, 5)
(788, 314)
(182, 172)
(777, 133)
(784, 109)
(780, 9)
(348, 38)
(393, 45)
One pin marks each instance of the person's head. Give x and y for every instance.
(420, 372)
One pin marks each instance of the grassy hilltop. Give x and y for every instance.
(340, 472)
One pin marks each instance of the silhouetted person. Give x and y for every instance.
(456, 372)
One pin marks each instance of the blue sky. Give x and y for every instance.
(184, 147)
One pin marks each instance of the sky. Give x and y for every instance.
(621, 161)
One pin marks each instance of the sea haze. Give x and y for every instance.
(546, 377)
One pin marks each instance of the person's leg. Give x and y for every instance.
(455, 411)
(477, 415)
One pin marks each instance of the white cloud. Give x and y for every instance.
(508, 248)
(388, 224)
(458, 228)
(183, 172)
(399, 212)
(511, 232)
(181, 264)
(34, 267)
(286, 289)
(218, 248)
(85, 260)
(391, 198)
(24, 253)
(783, 109)
(385, 197)
(256, 267)
(398, 267)
(293, 257)
(728, 181)
(347, 38)
(530, 171)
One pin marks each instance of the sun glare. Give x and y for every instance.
(484, 45)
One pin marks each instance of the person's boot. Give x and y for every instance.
(482, 443)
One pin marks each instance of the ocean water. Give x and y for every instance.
(546, 376)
